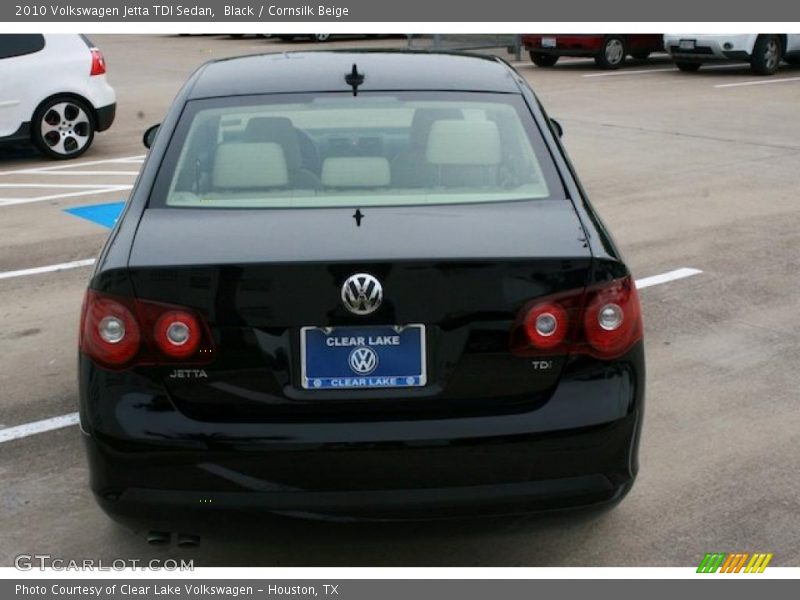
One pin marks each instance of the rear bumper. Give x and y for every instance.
(701, 55)
(152, 465)
(566, 45)
(710, 48)
(105, 116)
(434, 480)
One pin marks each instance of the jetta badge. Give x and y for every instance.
(362, 294)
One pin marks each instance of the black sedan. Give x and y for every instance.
(358, 285)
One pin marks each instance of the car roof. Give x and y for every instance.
(288, 72)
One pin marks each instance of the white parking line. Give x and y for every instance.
(756, 82)
(84, 173)
(76, 165)
(48, 268)
(636, 72)
(666, 277)
(54, 185)
(646, 71)
(21, 431)
(71, 170)
(91, 191)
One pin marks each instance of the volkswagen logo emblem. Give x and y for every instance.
(363, 360)
(362, 294)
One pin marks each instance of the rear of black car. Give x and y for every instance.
(225, 367)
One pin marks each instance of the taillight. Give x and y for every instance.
(604, 321)
(121, 332)
(98, 63)
(177, 334)
(546, 325)
(109, 331)
(612, 321)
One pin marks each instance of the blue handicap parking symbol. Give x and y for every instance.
(102, 214)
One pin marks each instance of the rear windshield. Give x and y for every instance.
(342, 150)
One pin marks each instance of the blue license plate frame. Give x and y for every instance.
(363, 357)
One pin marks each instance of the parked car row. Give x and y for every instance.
(764, 51)
(56, 96)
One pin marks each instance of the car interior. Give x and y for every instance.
(249, 157)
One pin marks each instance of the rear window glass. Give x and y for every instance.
(343, 150)
(16, 44)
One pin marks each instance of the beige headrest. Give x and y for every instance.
(356, 171)
(249, 165)
(466, 143)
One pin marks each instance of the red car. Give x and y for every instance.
(608, 49)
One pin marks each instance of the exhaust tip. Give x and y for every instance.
(158, 538)
(186, 540)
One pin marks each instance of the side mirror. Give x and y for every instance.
(557, 127)
(150, 135)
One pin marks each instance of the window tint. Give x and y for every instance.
(14, 44)
(366, 150)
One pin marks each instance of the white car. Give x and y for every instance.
(763, 51)
(54, 92)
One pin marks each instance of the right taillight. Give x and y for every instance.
(119, 332)
(612, 320)
(604, 321)
(98, 63)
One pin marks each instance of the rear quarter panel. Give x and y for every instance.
(63, 67)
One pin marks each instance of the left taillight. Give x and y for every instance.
(98, 63)
(110, 333)
(119, 332)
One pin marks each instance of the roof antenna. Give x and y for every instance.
(354, 79)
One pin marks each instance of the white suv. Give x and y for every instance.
(54, 92)
(763, 51)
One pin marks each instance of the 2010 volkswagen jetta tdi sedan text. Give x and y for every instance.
(358, 285)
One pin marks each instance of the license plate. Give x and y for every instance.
(687, 44)
(383, 356)
(548, 42)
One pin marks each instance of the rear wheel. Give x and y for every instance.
(766, 55)
(322, 37)
(543, 60)
(612, 54)
(63, 128)
(688, 67)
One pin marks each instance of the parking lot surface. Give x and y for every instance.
(692, 171)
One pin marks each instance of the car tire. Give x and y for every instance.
(612, 54)
(63, 127)
(543, 60)
(767, 54)
(321, 37)
(640, 55)
(688, 67)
